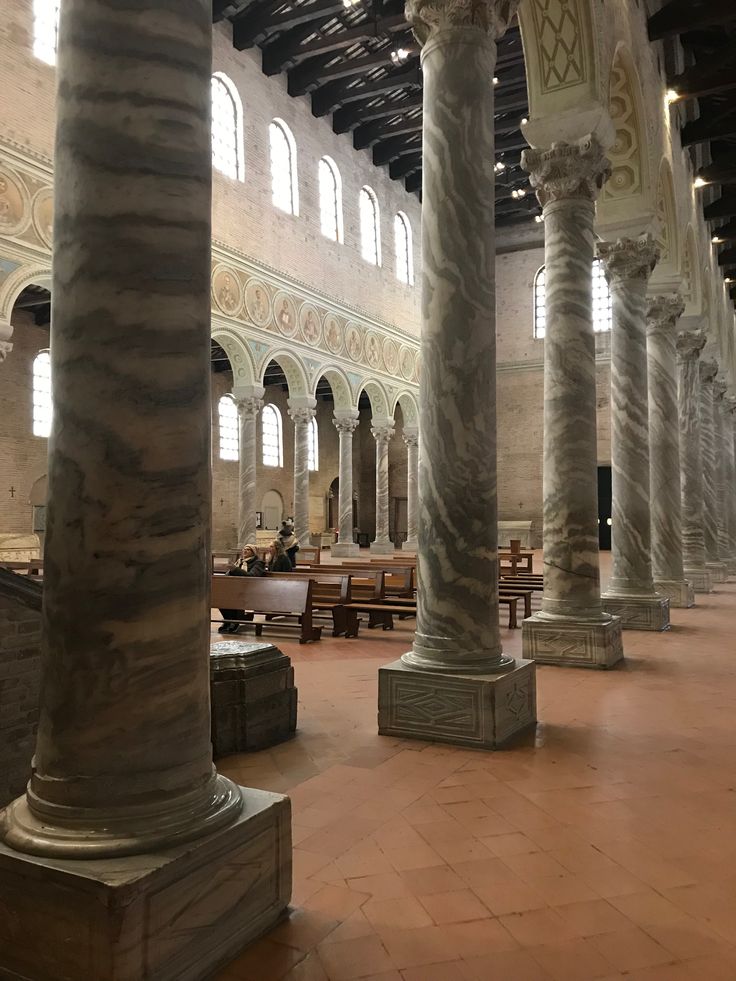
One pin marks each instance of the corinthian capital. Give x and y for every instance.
(719, 389)
(249, 405)
(382, 431)
(5, 348)
(689, 344)
(567, 170)
(708, 370)
(427, 17)
(345, 424)
(628, 259)
(301, 415)
(730, 404)
(663, 312)
(411, 438)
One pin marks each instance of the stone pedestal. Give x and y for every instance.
(382, 431)
(456, 685)
(639, 612)
(480, 710)
(254, 701)
(173, 915)
(572, 627)
(346, 422)
(680, 592)
(594, 643)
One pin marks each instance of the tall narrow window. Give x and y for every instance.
(602, 309)
(313, 451)
(273, 446)
(330, 200)
(404, 257)
(370, 228)
(227, 127)
(284, 189)
(42, 394)
(46, 29)
(228, 421)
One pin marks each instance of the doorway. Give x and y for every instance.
(272, 507)
(604, 508)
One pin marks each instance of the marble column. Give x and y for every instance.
(456, 685)
(122, 769)
(722, 454)
(717, 568)
(382, 431)
(346, 422)
(249, 407)
(572, 627)
(631, 594)
(689, 344)
(301, 411)
(729, 428)
(663, 312)
(411, 438)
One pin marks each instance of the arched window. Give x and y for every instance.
(42, 394)
(284, 189)
(313, 452)
(370, 228)
(602, 311)
(330, 200)
(228, 420)
(227, 127)
(404, 257)
(46, 29)
(273, 444)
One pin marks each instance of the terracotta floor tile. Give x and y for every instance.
(356, 958)
(558, 890)
(514, 843)
(264, 958)
(437, 878)
(404, 913)
(447, 971)
(415, 948)
(648, 908)
(304, 929)
(510, 965)
(533, 928)
(480, 937)
(336, 901)
(510, 895)
(454, 907)
(593, 916)
(355, 925)
(572, 960)
(385, 885)
(310, 969)
(412, 857)
(629, 950)
(530, 866)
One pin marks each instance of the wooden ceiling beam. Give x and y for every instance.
(710, 126)
(392, 149)
(370, 133)
(290, 51)
(715, 75)
(258, 22)
(727, 257)
(722, 170)
(727, 232)
(329, 97)
(723, 207)
(360, 112)
(680, 16)
(413, 182)
(398, 169)
(314, 72)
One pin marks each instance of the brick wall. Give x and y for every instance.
(20, 640)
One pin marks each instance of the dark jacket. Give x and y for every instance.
(253, 567)
(280, 564)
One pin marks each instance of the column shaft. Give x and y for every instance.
(729, 421)
(302, 416)
(382, 432)
(689, 345)
(664, 451)
(721, 456)
(346, 422)
(123, 759)
(572, 627)
(248, 409)
(708, 371)
(412, 478)
(630, 592)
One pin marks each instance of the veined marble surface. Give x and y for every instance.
(301, 416)
(248, 409)
(411, 438)
(382, 431)
(708, 371)
(346, 423)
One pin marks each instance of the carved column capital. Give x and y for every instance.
(345, 424)
(410, 438)
(708, 370)
(5, 348)
(628, 259)
(567, 170)
(689, 344)
(429, 17)
(663, 312)
(719, 389)
(248, 406)
(730, 404)
(302, 415)
(383, 431)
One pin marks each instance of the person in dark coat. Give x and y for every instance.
(247, 565)
(289, 541)
(278, 560)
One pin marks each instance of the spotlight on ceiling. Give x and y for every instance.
(399, 56)
(495, 79)
(671, 95)
(538, 218)
(499, 166)
(699, 182)
(518, 192)
(716, 240)
(524, 121)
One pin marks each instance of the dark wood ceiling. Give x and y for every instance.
(358, 64)
(707, 32)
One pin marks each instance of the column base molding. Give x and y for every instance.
(383, 548)
(410, 545)
(174, 915)
(576, 643)
(718, 571)
(639, 612)
(731, 565)
(700, 579)
(344, 550)
(484, 711)
(679, 592)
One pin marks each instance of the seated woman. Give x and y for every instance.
(278, 560)
(289, 541)
(247, 565)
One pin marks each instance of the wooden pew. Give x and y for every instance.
(270, 597)
(330, 594)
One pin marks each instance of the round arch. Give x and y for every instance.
(296, 375)
(17, 281)
(378, 399)
(338, 383)
(244, 372)
(409, 409)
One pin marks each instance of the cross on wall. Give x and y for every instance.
(12, 491)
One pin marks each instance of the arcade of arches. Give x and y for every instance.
(454, 297)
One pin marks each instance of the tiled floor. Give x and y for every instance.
(604, 848)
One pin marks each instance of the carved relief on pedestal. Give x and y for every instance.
(284, 310)
(226, 291)
(258, 302)
(310, 323)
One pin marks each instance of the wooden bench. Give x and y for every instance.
(330, 594)
(28, 567)
(523, 594)
(270, 597)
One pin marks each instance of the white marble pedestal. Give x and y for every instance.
(481, 710)
(382, 548)
(175, 915)
(718, 571)
(680, 593)
(345, 550)
(700, 579)
(639, 612)
(594, 643)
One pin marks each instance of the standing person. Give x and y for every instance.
(278, 560)
(247, 565)
(289, 540)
